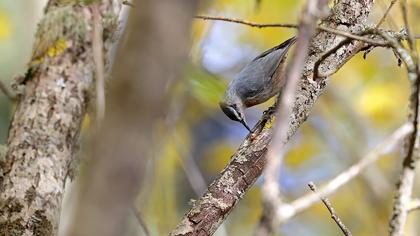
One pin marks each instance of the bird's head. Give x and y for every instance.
(233, 107)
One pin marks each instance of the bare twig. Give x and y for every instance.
(390, 21)
(324, 56)
(270, 188)
(386, 13)
(287, 211)
(371, 42)
(411, 40)
(244, 22)
(98, 57)
(352, 36)
(334, 215)
(280, 25)
(374, 43)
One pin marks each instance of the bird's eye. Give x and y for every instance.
(235, 113)
(230, 112)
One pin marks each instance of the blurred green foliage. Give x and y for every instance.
(364, 102)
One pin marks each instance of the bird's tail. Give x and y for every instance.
(283, 45)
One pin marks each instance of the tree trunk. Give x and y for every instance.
(44, 132)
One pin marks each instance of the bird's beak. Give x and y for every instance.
(246, 125)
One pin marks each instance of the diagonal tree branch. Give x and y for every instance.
(249, 160)
(288, 210)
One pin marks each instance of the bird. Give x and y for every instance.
(258, 81)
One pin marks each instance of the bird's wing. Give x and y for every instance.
(271, 58)
(250, 84)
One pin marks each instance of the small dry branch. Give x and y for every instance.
(330, 208)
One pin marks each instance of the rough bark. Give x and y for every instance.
(151, 55)
(44, 132)
(248, 162)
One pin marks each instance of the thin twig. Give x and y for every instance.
(389, 20)
(324, 56)
(349, 36)
(352, 36)
(285, 25)
(374, 32)
(98, 58)
(411, 40)
(244, 22)
(386, 13)
(334, 215)
(287, 211)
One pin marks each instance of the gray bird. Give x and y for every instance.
(257, 82)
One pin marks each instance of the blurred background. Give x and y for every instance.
(364, 102)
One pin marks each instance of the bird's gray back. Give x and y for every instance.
(253, 82)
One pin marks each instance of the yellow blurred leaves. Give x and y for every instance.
(382, 102)
(247, 213)
(238, 6)
(273, 12)
(167, 169)
(216, 157)
(5, 26)
(199, 30)
(268, 12)
(304, 149)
